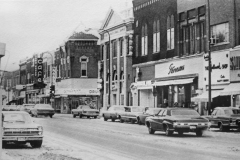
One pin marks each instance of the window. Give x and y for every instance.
(136, 46)
(170, 32)
(220, 33)
(114, 48)
(102, 53)
(108, 52)
(156, 36)
(121, 47)
(83, 69)
(144, 40)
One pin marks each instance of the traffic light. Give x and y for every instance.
(52, 90)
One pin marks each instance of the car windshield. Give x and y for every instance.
(233, 111)
(44, 106)
(153, 111)
(184, 113)
(119, 109)
(86, 107)
(17, 117)
(137, 109)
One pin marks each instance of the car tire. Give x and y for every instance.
(223, 128)
(88, 116)
(132, 121)
(50, 116)
(180, 133)
(113, 120)
(139, 121)
(105, 119)
(150, 130)
(199, 133)
(167, 131)
(95, 117)
(74, 116)
(36, 115)
(80, 116)
(121, 120)
(36, 144)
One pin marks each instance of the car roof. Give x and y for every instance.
(178, 108)
(226, 108)
(22, 112)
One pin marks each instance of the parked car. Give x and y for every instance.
(149, 112)
(112, 112)
(179, 120)
(18, 127)
(225, 118)
(131, 113)
(10, 108)
(26, 107)
(42, 109)
(85, 110)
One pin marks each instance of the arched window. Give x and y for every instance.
(156, 35)
(170, 32)
(144, 39)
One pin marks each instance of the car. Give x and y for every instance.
(131, 113)
(112, 112)
(26, 107)
(19, 128)
(85, 111)
(225, 118)
(10, 108)
(181, 120)
(42, 109)
(149, 112)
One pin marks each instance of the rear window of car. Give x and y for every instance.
(184, 113)
(43, 106)
(119, 109)
(17, 117)
(229, 112)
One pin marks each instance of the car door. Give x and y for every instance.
(214, 118)
(157, 120)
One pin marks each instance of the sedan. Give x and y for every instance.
(112, 112)
(149, 112)
(85, 111)
(181, 120)
(42, 109)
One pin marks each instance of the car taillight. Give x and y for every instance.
(40, 130)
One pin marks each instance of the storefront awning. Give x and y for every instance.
(76, 92)
(231, 89)
(204, 96)
(173, 82)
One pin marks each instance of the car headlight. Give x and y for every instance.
(40, 130)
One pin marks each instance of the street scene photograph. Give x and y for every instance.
(120, 79)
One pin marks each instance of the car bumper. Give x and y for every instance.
(189, 128)
(90, 114)
(45, 113)
(21, 138)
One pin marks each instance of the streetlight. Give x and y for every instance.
(109, 80)
(51, 74)
(209, 62)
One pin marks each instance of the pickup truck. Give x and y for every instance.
(85, 110)
(131, 113)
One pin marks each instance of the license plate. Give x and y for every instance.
(193, 127)
(21, 139)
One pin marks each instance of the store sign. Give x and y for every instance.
(39, 70)
(235, 65)
(179, 67)
(220, 68)
(63, 91)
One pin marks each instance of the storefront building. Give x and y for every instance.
(116, 57)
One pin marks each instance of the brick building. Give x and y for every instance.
(77, 72)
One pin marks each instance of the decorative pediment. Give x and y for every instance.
(111, 19)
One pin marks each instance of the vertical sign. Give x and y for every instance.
(54, 75)
(39, 70)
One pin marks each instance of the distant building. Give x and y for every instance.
(77, 72)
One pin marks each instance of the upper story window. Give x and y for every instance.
(170, 32)
(114, 48)
(156, 35)
(102, 52)
(83, 61)
(108, 51)
(121, 47)
(220, 33)
(144, 40)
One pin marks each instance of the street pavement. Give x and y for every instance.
(71, 138)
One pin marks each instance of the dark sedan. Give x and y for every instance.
(225, 118)
(42, 109)
(179, 120)
(149, 112)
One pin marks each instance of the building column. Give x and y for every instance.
(125, 91)
(105, 101)
(118, 71)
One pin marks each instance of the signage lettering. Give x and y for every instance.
(173, 69)
(39, 69)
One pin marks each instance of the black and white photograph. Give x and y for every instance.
(120, 79)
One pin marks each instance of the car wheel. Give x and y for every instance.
(121, 120)
(105, 119)
(74, 116)
(167, 131)
(88, 116)
(139, 121)
(80, 116)
(150, 130)
(36, 144)
(223, 128)
(113, 120)
(95, 117)
(50, 116)
(36, 115)
(132, 121)
(199, 133)
(180, 133)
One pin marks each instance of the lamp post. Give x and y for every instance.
(209, 62)
(51, 70)
(109, 80)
